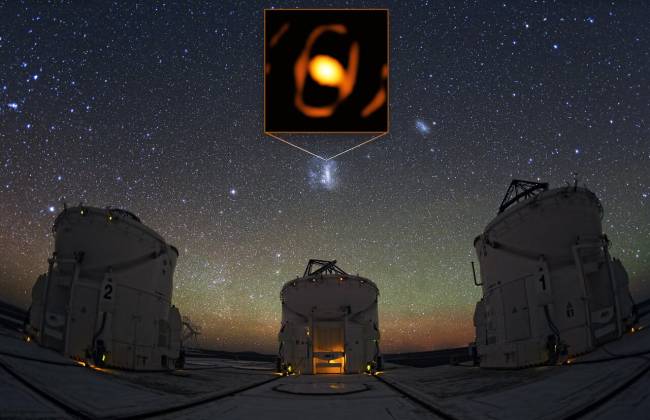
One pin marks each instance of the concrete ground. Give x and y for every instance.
(368, 399)
(39, 383)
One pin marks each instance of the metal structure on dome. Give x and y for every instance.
(521, 190)
(324, 267)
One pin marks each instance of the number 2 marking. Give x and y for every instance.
(108, 290)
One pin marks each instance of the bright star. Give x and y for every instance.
(326, 70)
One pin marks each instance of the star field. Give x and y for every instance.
(157, 108)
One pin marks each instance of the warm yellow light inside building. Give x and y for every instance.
(326, 70)
(331, 366)
(328, 342)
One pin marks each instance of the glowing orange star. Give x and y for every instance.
(326, 70)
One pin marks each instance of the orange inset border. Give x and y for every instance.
(278, 35)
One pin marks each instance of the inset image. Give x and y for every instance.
(326, 70)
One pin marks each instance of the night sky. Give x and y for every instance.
(158, 109)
